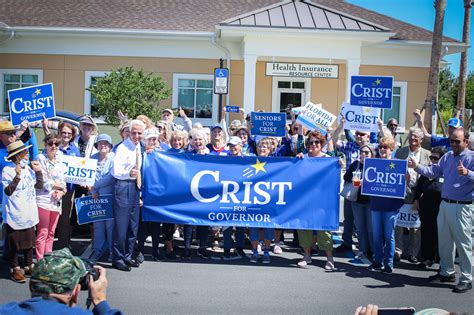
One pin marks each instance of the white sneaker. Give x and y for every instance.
(176, 233)
(148, 239)
(329, 266)
(259, 249)
(303, 263)
(360, 256)
(277, 249)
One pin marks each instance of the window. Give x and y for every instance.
(11, 79)
(195, 94)
(399, 105)
(89, 101)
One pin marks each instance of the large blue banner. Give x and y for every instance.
(372, 91)
(268, 124)
(241, 191)
(384, 178)
(31, 103)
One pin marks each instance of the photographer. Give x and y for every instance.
(55, 285)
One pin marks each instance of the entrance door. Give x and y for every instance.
(289, 93)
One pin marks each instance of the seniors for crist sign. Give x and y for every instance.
(314, 117)
(268, 124)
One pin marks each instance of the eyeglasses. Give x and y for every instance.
(314, 142)
(393, 125)
(435, 158)
(365, 152)
(383, 147)
(10, 133)
(454, 141)
(358, 134)
(53, 143)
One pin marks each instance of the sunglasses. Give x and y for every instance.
(360, 134)
(435, 158)
(393, 125)
(454, 141)
(314, 142)
(10, 133)
(56, 144)
(364, 152)
(383, 147)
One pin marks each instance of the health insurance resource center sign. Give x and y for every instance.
(301, 70)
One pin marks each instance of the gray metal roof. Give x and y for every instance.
(302, 14)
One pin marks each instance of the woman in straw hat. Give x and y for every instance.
(19, 202)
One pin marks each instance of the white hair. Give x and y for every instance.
(199, 133)
(136, 122)
(416, 132)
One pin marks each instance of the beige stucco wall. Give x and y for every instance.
(68, 75)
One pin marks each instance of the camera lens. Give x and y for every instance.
(90, 271)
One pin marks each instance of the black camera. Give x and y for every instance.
(90, 271)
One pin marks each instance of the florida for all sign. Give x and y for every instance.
(241, 191)
(360, 118)
(31, 103)
(268, 124)
(92, 210)
(314, 117)
(79, 170)
(371, 91)
(384, 178)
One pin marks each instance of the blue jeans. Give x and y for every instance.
(202, 233)
(126, 216)
(239, 237)
(103, 231)
(363, 224)
(348, 223)
(254, 234)
(383, 232)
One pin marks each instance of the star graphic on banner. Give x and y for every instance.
(378, 81)
(259, 166)
(367, 109)
(392, 166)
(38, 92)
(83, 162)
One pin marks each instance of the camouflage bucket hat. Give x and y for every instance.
(58, 272)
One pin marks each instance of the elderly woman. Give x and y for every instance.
(427, 198)
(67, 132)
(248, 145)
(164, 131)
(314, 144)
(178, 141)
(19, 204)
(360, 207)
(198, 144)
(384, 212)
(49, 197)
(263, 150)
(217, 146)
(104, 185)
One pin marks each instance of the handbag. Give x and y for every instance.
(349, 192)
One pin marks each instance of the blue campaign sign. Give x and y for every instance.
(241, 191)
(91, 210)
(384, 178)
(31, 103)
(221, 80)
(232, 109)
(268, 124)
(372, 91)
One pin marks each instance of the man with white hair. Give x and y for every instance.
(422, 157)
(127, 172)
(167, 115)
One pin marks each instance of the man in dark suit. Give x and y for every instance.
(422, 156)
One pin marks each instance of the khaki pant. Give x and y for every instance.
(454, 228)
(324, 239)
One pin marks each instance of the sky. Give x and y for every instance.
(422, 13)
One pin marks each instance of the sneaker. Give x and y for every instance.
(360, 256)
(413, 259)
(28, 271)
(259, 248)
(176, 233)
(329, 266)
(18, 276)
(240, 252)
(215, 245)
(462, 287)
(303, 263)
(187, 254)
(202, 252)
(148, 239)
(277, 249)
(396, 256)
(254, 258)
(227, 254)
(440, 278)
(377, 267)
(387, 269)
(266, 258)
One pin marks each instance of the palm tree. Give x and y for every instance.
(461, 102)
(431, 95)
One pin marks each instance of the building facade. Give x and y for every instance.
(279, 53)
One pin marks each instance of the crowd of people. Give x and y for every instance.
(38, 204)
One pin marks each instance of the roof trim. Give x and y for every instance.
(227, 22)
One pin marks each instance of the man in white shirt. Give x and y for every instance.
(126, 171)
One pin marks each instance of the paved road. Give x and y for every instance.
(238, 287)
